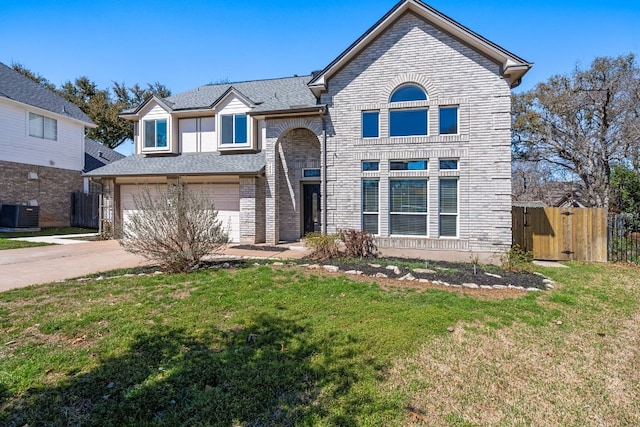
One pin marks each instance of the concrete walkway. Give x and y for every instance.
(44, 264)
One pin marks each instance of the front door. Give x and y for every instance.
(311, 208)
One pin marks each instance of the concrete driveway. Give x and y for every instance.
(31, 266)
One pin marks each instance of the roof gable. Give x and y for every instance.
(18, 88)
(513, 67)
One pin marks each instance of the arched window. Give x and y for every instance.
(408, 92)
(408, 121)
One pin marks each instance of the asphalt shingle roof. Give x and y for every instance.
(185, 164)
(268, 95)
(17, 87)
(97, 155)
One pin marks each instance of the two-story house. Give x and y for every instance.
(42, 147)
(406, 135)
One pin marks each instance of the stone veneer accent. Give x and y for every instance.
(52, 190)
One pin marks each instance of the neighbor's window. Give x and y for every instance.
(408, 121)
(408, 165)
(448, 200)
(370, 166)
(370, 124)
(448, 120)
(43, 127)
(234, 129)
(155, 133)
(370, 205)
(408, 207)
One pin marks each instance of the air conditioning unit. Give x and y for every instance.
(19, 216)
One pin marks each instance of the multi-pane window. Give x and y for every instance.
(155, 133)
(448, 120)
(370, 124)
(408, 207)
(408, 165)
(43, 127)
(408, 121)
(370, 205)
(448, 200)
(370, 166)
(234, 129)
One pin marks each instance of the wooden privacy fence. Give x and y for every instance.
(561, 234)
(85, 210)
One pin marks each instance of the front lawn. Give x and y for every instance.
(52, 231)
(291, 346)
(18, 244)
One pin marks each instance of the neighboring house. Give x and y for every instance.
(41, 147)
(97, 155)
(406, 134)
(560, 194)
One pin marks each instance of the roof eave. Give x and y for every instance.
(319, 109)
(500, 55)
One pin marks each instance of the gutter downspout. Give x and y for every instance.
(323, 194)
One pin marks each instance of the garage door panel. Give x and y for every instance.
(225, 198)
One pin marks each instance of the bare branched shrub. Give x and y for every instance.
(358, 243)
(176, 227)
(323, 246)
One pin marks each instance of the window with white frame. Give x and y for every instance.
(234, 129)
(370, 205)
(448, 201)
(43, 127)
(408, 214)
(155, 133)
(448, 164)
(448, 120)
(408, 165)
(370, 166)
(408, 121)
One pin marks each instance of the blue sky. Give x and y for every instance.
(187, 44)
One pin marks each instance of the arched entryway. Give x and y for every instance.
(298, 169)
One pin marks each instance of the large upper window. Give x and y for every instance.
(408, 121)
(43, 127)
(370, 205)
(408, 207)
(448, 207)
(155, 133)
(234, 129)
(448, 120)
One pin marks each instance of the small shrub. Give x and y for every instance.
(323, 246)
(358, 243)
(517, 260)
(175, 227)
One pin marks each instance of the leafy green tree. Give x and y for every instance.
(584, 123)
(625, 186)
(103, 106)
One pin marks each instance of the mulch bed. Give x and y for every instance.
(261, 248)
(452, 273)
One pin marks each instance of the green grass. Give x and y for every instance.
(252, 346)
(53, 231)
(17, 244)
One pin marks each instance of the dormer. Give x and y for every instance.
(237, 129)
(155, 129)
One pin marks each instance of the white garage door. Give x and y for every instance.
(225, 197)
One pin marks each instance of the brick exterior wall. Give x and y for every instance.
(452, 74)
(52, 189)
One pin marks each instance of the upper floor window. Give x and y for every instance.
(370, 124)
(234, 129)
(370, 166)
(408, 121)
(43, 127)
(155, 133)
(408, 92)
(448, 120)
(408, 165)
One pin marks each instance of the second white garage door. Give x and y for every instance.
(226, 199)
